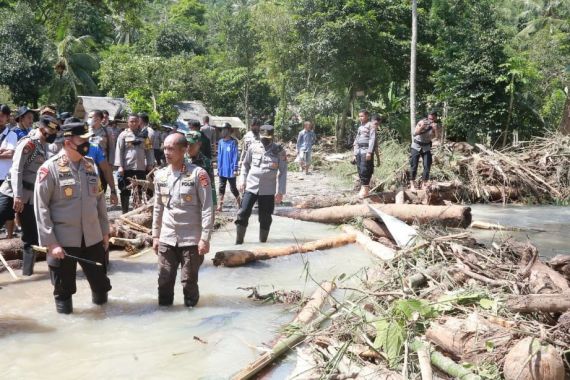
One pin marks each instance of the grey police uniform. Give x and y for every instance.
(29, 155)
(182, 217)
(264, 171)
(134, 153)
(364, 144)
(113, 132)
(248, 139)
(72, 213)
(421, 147)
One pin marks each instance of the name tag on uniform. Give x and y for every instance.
(67, 182)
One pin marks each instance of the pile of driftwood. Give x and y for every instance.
(447, 307)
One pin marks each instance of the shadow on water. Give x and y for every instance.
(15, 324)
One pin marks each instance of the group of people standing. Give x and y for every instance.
(365, 146)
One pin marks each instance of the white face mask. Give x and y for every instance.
(91, 122)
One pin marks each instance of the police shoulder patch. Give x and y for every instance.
(29, 147)
(203, 177)
(42, 173)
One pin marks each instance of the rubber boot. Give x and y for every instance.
(263, 234)
(165, 300)
(29, 259)
(191, 301)
(99, 298)
(125, 203)
(240, 233)
(64, 306)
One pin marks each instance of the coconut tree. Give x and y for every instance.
(75, 67)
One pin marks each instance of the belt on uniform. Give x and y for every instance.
(363, 145)
(422, 143)
(28, 185)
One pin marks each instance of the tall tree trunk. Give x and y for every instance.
(565, 122)
(246, 101)
(509, 115)
(413, 67)
(341, 125)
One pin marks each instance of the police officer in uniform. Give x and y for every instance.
(182, 221)
(249, 138)
(197, 157)
(425, 131)
(363, 147)
(72, 218)
(30, 154)
(134, 157)
(264, 180)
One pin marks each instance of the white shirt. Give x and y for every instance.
(9, 141)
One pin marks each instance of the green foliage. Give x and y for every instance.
(25, 61)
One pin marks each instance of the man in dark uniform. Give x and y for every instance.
(134, 158)
(363, 147)
(17, 191)
(264, 180)
(72, 219)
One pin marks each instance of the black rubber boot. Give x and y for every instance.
(29, 259)
(125, 203)
(240, 233)
(64, 306)
(191, 302)
(263, 234)
(99, 298)
(165, 300)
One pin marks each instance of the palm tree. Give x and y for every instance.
(75, 66)
(551, 14)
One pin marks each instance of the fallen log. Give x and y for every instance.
(234, 258)
(546, 303)
(448, 216)
(283, 345)
(14, 264)
(530, 359)
(12, 249)
(561, 264)
(468, 340)
(314, 304)
(315, 201)
(131, 243)
(445, 364)
(377, 249)
(378, 229)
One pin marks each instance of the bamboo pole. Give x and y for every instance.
(377, 249)
(446, 364)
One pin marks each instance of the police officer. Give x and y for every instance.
(249, 138)
(197, 157)
(264, 180)
(425, 131)
(182, 221)
(102, 138)
(30, 154)
(134, 158)
(72, 218)
(363, 148)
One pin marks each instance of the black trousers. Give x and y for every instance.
(6, 209)
(158, 156)
(233, 186)
(63, 272)
(415, 160)
(169, 259)
(365, 168)
(124, 181)
(29, 227)
(266, 204)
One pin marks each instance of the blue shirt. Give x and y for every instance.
(96, 153)
(227, 158)
(21, 133)
(306, 140)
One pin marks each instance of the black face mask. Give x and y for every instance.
(266, 141)
(49, 138)
(82, 149)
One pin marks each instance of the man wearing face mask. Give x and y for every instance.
(134, 158)
(30, 154)
(264, 180)
(72, 218)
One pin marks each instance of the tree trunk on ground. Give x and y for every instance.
(561, 264)
(315, 201)
(379, 250)
(445, 364)
(234, 258)
(11, 249)
(378, 229)
(448, 216)
(531, 303)
(413, 67)
(467, 340)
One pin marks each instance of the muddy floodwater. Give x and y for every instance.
(548, 227)
(132, 338)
